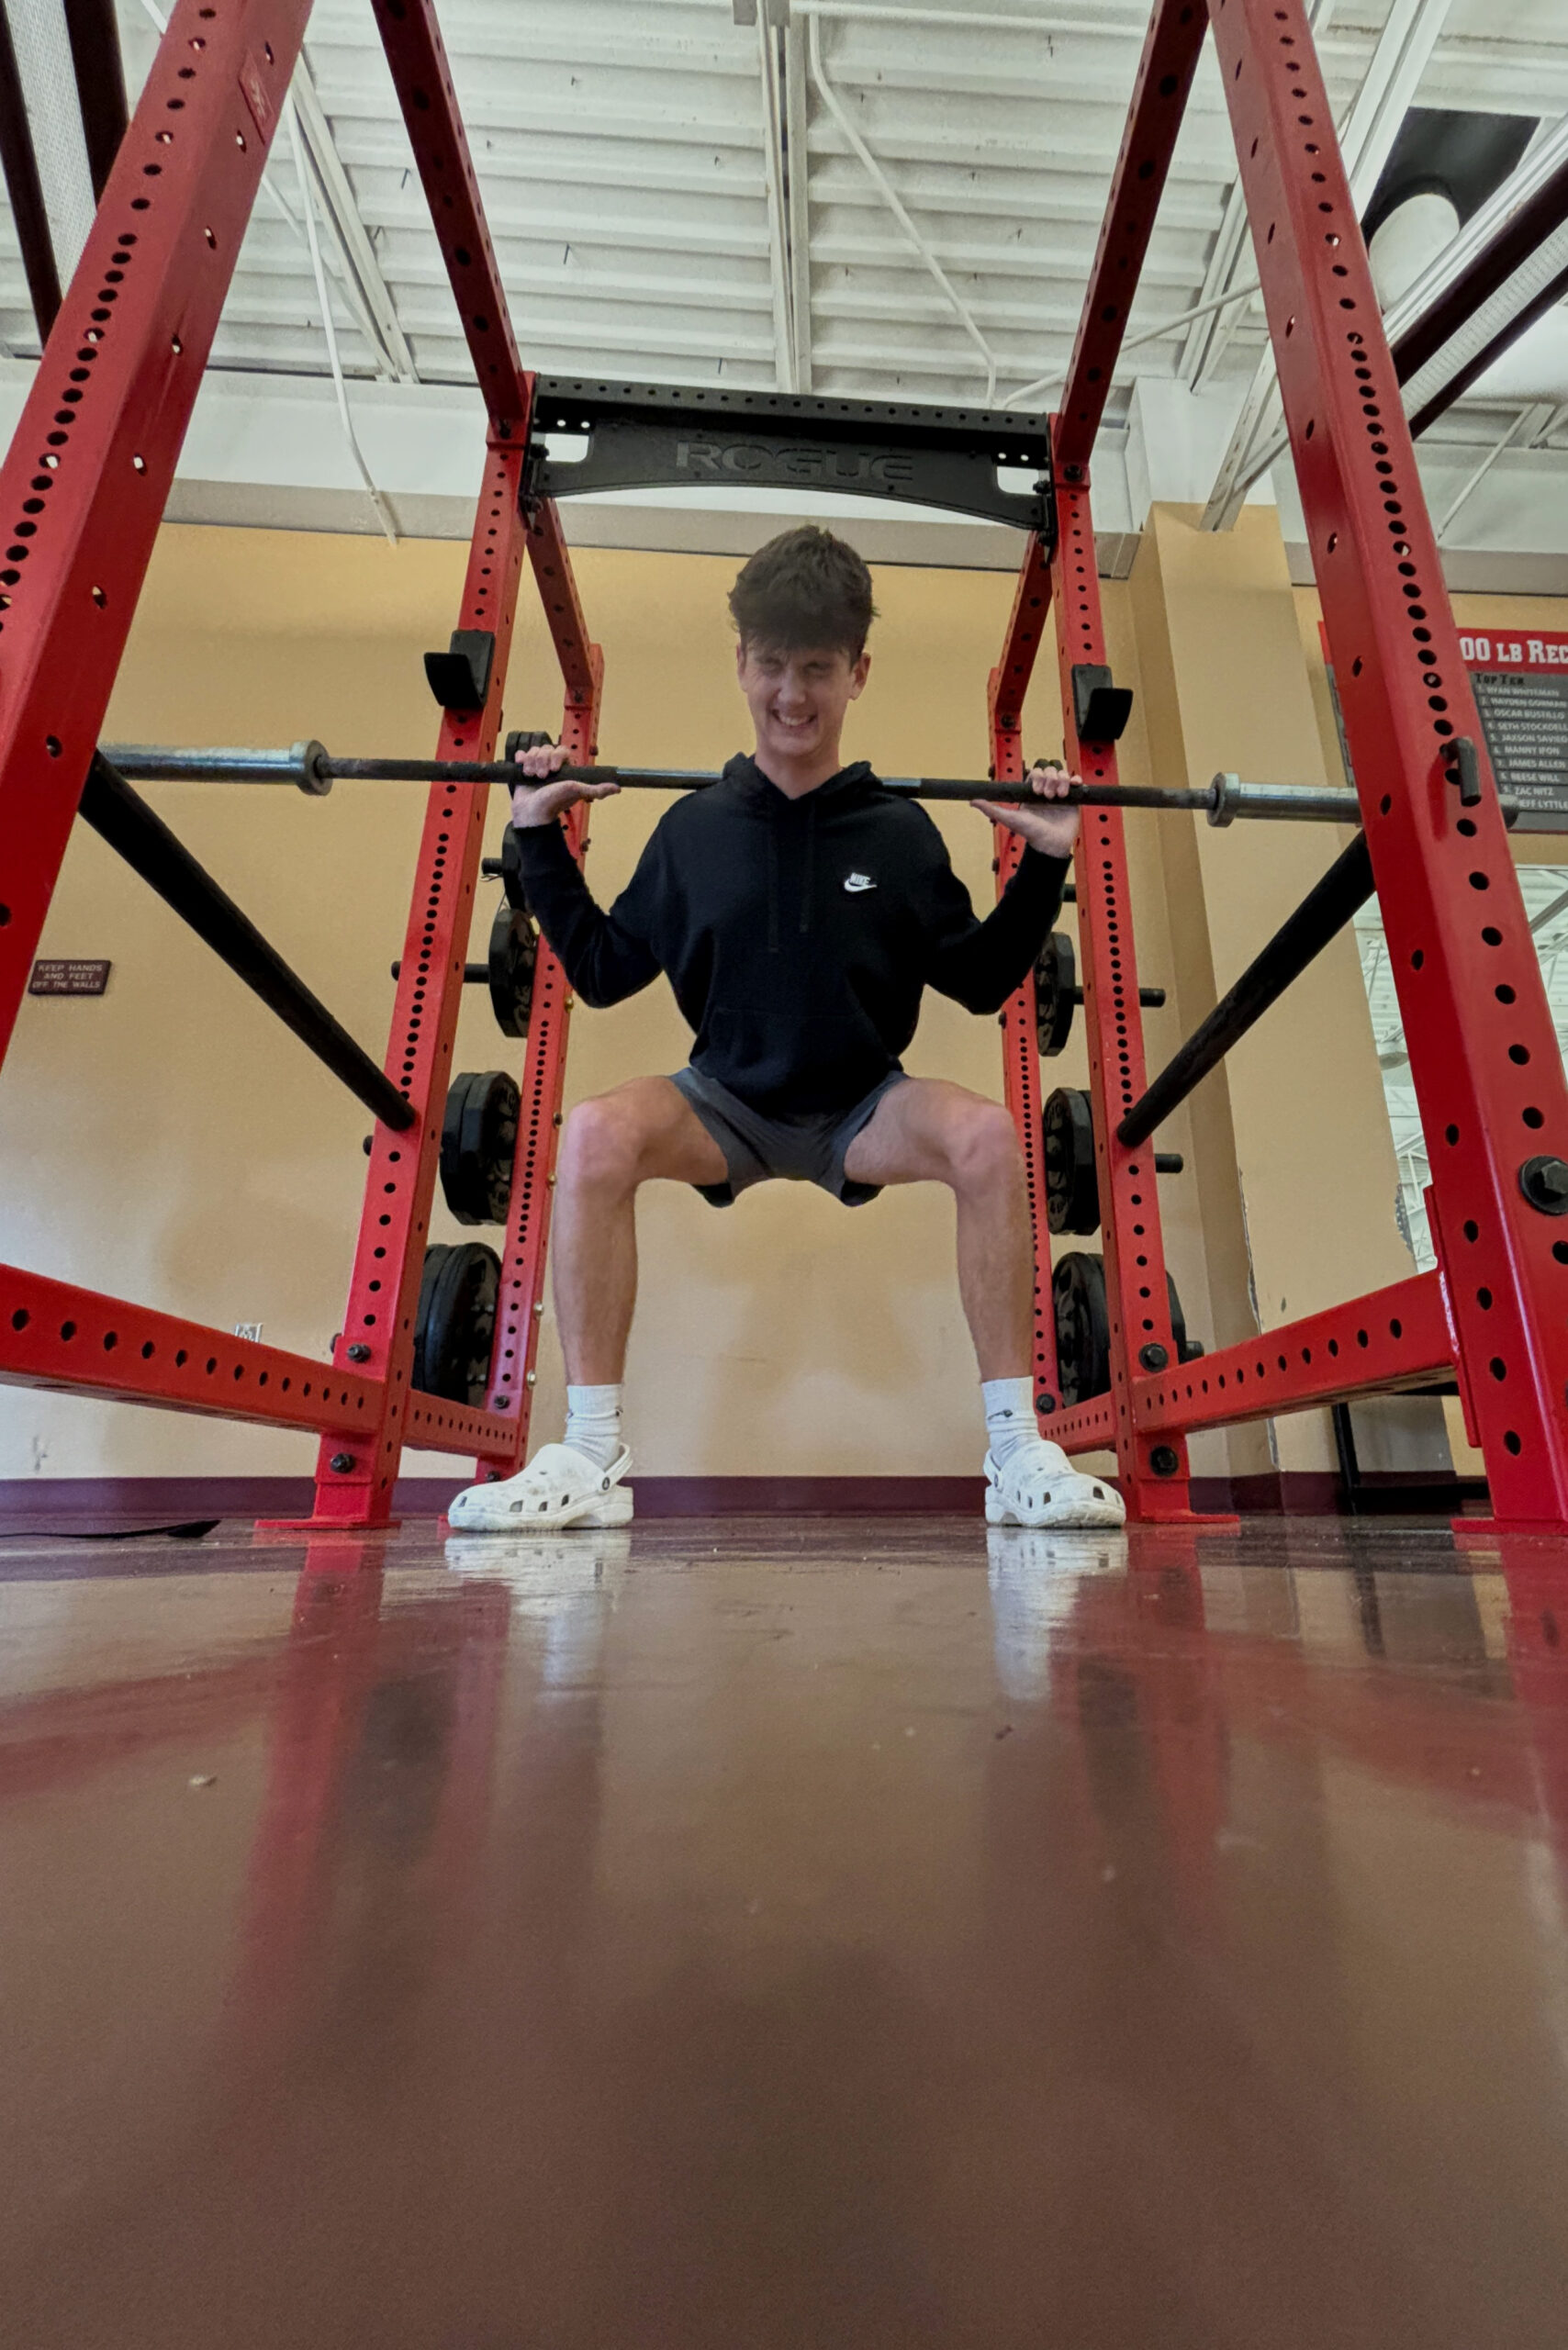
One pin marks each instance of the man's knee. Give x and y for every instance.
(986, 1153)
(601, 1146)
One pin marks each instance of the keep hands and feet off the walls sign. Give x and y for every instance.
(1520, 681)
(57, 975)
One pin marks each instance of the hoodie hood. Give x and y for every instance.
(746, 779)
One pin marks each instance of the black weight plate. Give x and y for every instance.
(1055, 976)
(479, 1140)
(458, 1194)
(1072, 1189)
(489, 1140)
(514, 950)
(522, 741)
(454, 1326)
(1084, 1328)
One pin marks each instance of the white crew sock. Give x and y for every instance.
(1010, 1420)
(593, 1423)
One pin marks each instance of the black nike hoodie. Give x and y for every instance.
(798, 935)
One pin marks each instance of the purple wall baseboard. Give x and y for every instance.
(81, 1504)
(77, 1504)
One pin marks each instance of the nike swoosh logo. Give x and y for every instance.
(859, 881)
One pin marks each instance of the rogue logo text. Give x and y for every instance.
(829, 468)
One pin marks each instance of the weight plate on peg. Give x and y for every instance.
(514, 951)
(1055, 977)
(454, 1324)
(1084, 1328)
(478, 1139)
(1073, 1187)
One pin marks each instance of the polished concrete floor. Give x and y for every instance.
(772, 1934)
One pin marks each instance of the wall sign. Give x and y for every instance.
(60, 978)
(1520, 681)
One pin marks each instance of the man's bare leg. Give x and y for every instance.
(927, 1131)
(612, 1142)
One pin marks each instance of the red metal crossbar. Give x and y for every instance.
(1159, 101)
(54, 1334)
(1394, 1338)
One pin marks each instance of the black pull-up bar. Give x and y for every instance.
(1321, 915)
(312, 769)
(125, 821)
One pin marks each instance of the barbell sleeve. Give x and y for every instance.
(305, 765)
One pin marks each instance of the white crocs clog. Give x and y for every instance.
(1039, 1487)
(559, 1487)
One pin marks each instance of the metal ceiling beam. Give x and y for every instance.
(1403, 53)
(780, 277)
(1541, 285)
(797, 185)
(20, 161)
(896, 206)
(368, 291)
(94, 35)
(1515, 220)
(1502, 270)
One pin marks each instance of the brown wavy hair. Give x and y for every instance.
(805, 588)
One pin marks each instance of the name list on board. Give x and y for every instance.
(1520, 683)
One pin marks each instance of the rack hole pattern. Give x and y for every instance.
(152, 1357)
(74, 391)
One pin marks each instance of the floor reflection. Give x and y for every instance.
(857, 1931)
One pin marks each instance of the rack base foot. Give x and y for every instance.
(358, 1527)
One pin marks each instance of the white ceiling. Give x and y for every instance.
(623, 150)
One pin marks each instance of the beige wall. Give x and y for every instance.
(1296, 1176)
(174, 1145)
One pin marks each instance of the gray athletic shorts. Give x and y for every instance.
(806, 1148)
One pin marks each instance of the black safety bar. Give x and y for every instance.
(1322, 914)
(125, 821)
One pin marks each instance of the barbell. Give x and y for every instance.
(311, 769)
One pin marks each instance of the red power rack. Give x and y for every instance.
(83, 490)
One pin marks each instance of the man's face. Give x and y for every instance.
(798, 699)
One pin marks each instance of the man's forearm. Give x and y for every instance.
(602, 964)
